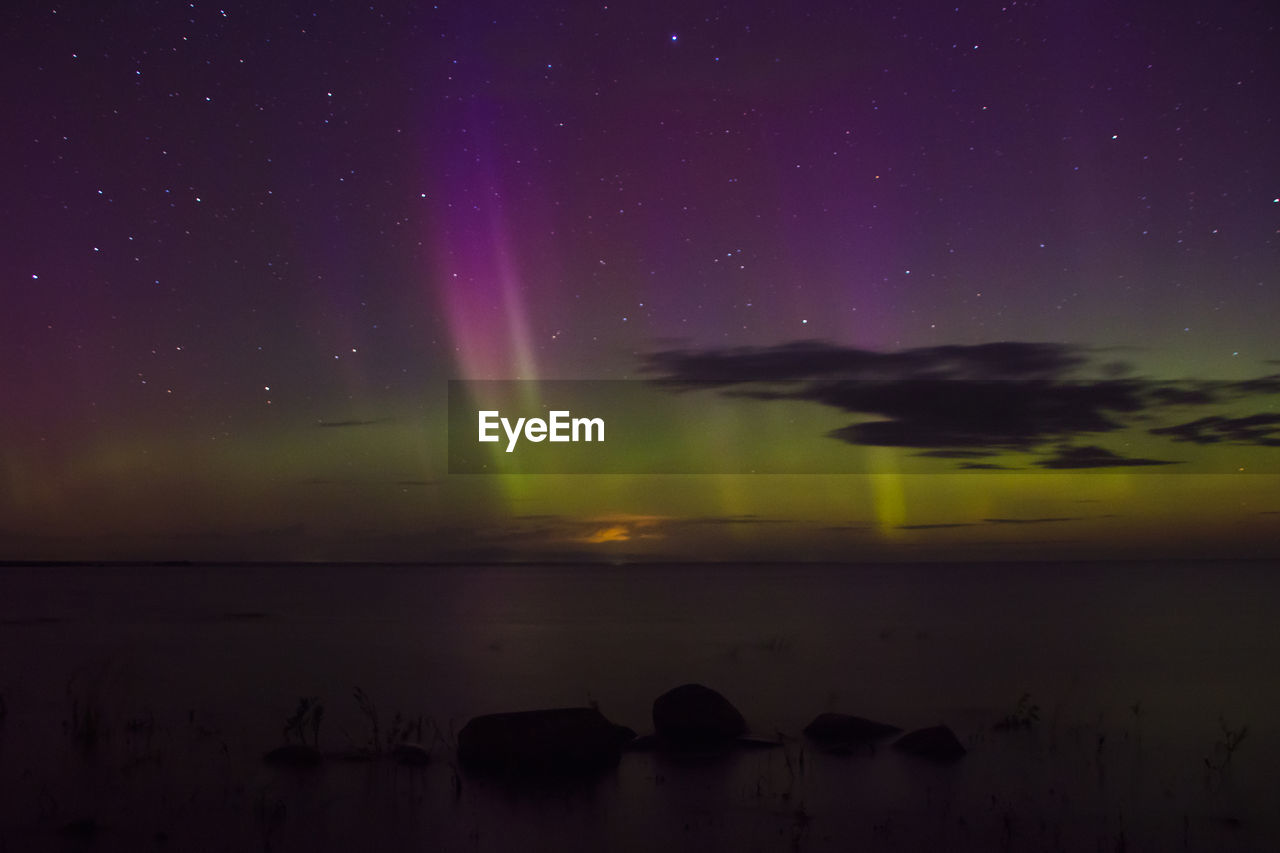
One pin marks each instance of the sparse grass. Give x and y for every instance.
(403, 729)
(1024, 716)
(370, 711)
(1045, 801)
(1224, 749)
(307, 717)
(270, 814)
(450, 742)
(86, 723)
(142, 727)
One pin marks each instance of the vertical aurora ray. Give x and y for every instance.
(888, 498)
(476, 274)
(476, 267)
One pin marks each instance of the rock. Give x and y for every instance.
(411, 754)
(293, 755)
(844, 730)
(937, 743)
(693, 715)
(556, 739)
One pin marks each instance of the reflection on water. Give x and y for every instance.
(194, 670)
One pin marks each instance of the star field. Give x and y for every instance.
(224, 225)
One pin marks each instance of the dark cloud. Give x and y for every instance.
(1032, 520)
(1261, 429)
(986, 466)
(954, 454)
(1092, 456)
(1177, 395)
(817, 359)
(1261, 385)
(976, 415)
(970, 402)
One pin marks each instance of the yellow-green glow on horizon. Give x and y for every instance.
(378, 489)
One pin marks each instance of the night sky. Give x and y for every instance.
(245, 248)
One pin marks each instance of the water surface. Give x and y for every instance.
(1133, 669)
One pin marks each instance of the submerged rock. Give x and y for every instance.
(556, 739)
(293, 755)
(937, 743)
(692, 715)
(845, 730)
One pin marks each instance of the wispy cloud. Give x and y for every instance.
(1092, 456)
(1261, 429)
(819, 359)
(955, 454)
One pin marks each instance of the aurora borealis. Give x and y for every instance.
(245, 249)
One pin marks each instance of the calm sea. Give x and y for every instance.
(1137, 670)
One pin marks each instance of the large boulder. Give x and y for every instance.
(555, 740)
(844, 730)
(697, 716)
(937, 743)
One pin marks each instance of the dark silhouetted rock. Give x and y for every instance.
(695, 716)
(293, 755)
(411, 754)
(556, 740)
(937, 743)
(843, 730)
